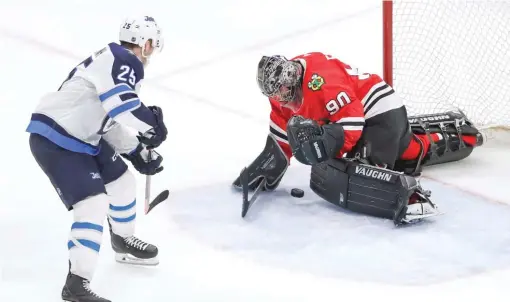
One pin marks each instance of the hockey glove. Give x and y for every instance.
(140, 160)
(154, 137)
(311, 143)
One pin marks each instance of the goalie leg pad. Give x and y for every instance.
(452, 126)
(454, 129)
(270, 165)
(365, 189)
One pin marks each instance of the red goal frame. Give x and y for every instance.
(387, 10)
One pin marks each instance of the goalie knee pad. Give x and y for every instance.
(270, 165)
(453, 128)
(364, 189)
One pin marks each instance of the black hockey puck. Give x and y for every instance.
(297, 192)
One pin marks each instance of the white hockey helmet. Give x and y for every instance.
(139, 30)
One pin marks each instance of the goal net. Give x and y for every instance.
(445, 54)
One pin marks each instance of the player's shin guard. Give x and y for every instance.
(86, 235)
(122, 205)
(371, 190)
(457, 139)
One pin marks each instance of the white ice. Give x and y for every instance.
(287, 249)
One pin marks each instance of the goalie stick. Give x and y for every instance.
(248, 202)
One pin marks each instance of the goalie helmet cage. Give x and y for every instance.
(444, 54)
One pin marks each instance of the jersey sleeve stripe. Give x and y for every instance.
(355, 119)
(278, 136)
(278, 133)
(387, 102)
(375, 89)
(374, 101)
(353, 127)
(128, 96)
(125, 107)
(352, 123)
(277, 128)
(118, 89)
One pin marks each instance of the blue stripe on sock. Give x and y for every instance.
(123, 208)
(87, 225)
(86, 243)
(127, 219)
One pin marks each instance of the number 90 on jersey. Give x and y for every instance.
(333, 106)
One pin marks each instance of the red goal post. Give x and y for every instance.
(446, 54)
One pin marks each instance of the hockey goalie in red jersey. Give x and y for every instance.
(353, 129)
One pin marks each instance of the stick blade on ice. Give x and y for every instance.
(159, 199)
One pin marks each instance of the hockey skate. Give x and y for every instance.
(77, 289)
(420, 207)
(132, 250)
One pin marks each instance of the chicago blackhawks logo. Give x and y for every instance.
(316, 82)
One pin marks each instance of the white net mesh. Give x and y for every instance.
(454, 54)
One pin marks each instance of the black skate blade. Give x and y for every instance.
(159, 199)
(248, 202)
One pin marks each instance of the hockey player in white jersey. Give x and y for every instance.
(76, 135)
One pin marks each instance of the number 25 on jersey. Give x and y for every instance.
(124, 77)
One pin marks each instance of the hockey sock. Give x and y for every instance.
(86, 234)
(122, 208)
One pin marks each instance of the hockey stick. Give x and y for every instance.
(248, 202)
(149, 205)
(159, 199)
(147, 190)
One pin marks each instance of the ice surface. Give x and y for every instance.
(288, 249)
(310, 235)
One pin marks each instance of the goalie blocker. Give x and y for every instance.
(372, 191)
(270, 165)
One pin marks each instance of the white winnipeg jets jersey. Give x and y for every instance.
(99, 99)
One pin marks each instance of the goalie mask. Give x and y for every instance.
(280, 79)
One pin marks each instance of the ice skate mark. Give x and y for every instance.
(264, 43)
(25, 39)
(39, 44)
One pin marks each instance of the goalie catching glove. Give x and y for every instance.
(311, 143)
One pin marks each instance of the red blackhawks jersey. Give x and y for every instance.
(334, 92)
